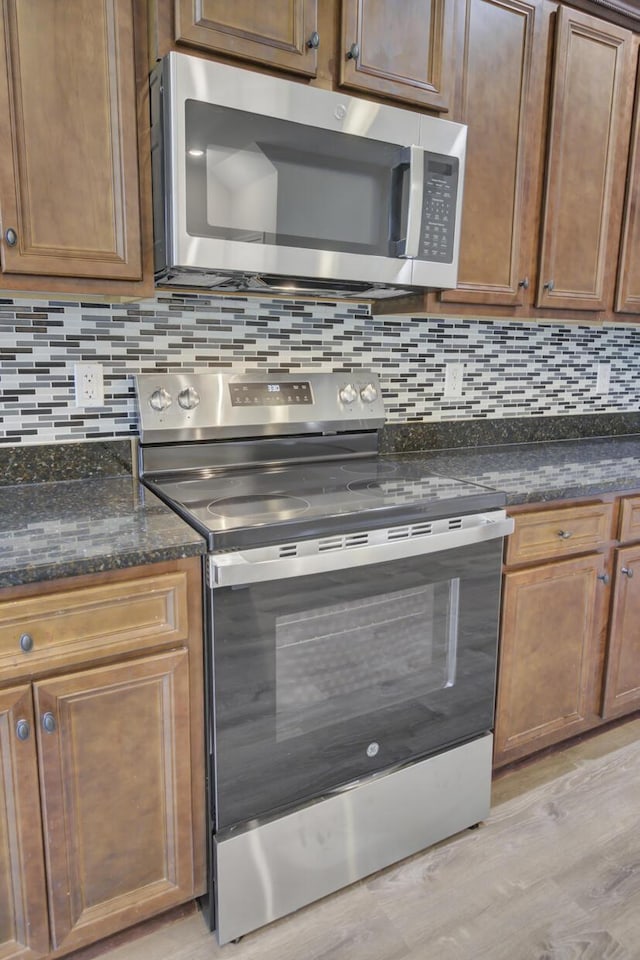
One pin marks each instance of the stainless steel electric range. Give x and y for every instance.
(351, 604)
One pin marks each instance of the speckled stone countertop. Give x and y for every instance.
(104, 519)
(72, 527)
(541, 472)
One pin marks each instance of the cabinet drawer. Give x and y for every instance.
(91, 623)
(629, 519)
(555, 533)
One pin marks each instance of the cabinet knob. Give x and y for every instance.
(549, 285)
(23, 729)
(11, 237)
(26, 642)
(524, 283)
(353, 52)
(48, 722)
(604, 577)
(628, 572)
(565, 534)
(314, 40)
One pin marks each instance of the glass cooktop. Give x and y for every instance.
(260, 505)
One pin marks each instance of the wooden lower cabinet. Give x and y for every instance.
(24, 929)
(101, 767)
(622, 676)
(550, 654)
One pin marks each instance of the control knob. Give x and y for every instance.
(188, 398)
(160, 399)
(348, 394)
(369, 393)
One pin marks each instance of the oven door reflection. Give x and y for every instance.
(324, 679)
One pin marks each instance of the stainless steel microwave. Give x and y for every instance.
(261, 183)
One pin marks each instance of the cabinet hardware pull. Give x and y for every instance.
(26, 642)
(353, 52)
(524, 283)
(314, 40)
(628, 572)
(549, 285)
(604, 577)
(23, 729)
(48, 722)
(565, 534)
(11, 237)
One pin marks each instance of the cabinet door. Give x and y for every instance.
(115, 777)
(622, 676)
(69, 187)
(628, 288)
(586, 162)
(402, 53)
(550, 648)
(24, 931)
(279, 33)
(501, 100)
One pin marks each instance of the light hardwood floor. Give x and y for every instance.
(553, 874)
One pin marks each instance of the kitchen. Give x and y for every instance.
(529, 376)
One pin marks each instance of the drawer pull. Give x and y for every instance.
(26, 642)
(48, 722)
(565, 534)
(23, 729)
(604, 577)
(628, 572)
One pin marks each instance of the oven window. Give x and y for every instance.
(333, 661)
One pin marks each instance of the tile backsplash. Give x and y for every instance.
(510, 369)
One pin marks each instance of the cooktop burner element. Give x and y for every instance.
(380, 468)
(258, 507)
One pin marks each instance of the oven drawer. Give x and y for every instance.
(546, 534)
(72, 626)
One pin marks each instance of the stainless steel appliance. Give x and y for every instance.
(352, 615)
(268, 184)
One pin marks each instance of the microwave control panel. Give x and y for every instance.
(440, 194)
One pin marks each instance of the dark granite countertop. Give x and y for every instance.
(69, 527)
(73, 527)
(545, 471)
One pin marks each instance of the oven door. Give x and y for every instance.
(327, 676)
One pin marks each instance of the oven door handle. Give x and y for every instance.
(256, 566)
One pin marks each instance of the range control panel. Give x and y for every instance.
(197, 406)
(437, 230)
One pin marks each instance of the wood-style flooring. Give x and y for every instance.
(553, 874)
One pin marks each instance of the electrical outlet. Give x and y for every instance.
(89, 384)
(454, 372)
(603, 375)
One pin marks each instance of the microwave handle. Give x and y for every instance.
(412, 159)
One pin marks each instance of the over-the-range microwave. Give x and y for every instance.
(262, 183)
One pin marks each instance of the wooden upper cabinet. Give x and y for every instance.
(501, 99)
(69, 182)
(586, 163)
(406, 53)
(628, 288)
(281, 33)
(24, 929)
